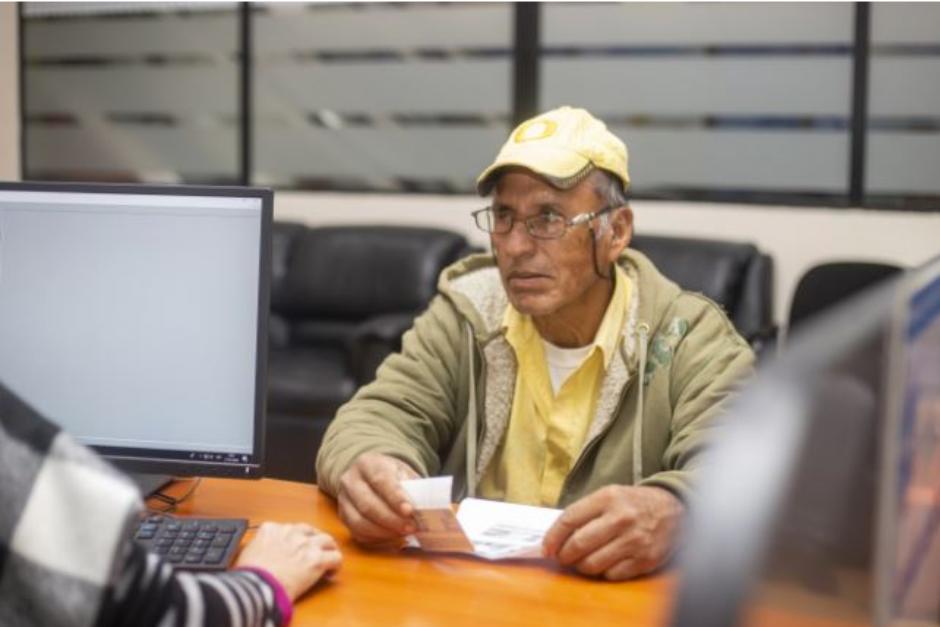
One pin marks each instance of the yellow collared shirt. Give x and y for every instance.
(546, 430)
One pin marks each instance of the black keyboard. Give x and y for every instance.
(192, 543)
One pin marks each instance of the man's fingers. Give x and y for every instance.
(372, 505)
(363, 529)
(607, 555)
(585, 541)
(573, 518)
(385, 480)
(626, 569)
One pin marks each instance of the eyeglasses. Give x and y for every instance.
(549, 225)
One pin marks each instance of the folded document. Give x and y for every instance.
(488, 529)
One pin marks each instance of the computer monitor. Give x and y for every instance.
(789, 526)
(909, 529)
(136, 318)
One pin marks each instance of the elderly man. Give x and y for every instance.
(563, 370)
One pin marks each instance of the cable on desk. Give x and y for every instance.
(172, 502)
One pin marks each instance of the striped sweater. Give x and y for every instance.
(66, 557)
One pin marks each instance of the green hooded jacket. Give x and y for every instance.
(443, 403)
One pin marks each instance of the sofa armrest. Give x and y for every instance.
(373, 340)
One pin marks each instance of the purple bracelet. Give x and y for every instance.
(283, 602)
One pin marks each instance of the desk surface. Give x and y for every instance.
(392, 588)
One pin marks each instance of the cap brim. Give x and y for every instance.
(554, 164)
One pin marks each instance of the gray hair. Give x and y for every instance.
(609, 189)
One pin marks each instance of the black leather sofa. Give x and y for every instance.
(342, 297)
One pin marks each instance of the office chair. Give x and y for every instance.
(826, 284)
(736, 275)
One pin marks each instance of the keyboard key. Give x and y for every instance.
(214, 556)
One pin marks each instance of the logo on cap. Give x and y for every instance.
(535, 129)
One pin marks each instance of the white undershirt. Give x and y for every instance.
(563, 361)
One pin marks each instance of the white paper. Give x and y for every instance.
(503, 530)
(489, 529)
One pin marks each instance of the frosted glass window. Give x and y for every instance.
(736, 97)
(380, 96)
(904, 106)
(131, 92)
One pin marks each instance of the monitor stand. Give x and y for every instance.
(147, 483)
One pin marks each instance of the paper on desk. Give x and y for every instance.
(488, 529)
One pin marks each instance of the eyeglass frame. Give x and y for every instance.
(581, 218)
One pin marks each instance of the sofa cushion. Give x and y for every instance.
(312, 382)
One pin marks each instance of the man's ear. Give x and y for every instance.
(621, 230)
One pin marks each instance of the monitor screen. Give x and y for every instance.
(135, 318)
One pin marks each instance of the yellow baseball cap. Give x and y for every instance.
(563, 145)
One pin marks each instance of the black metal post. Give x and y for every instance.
(21, 85)
(525, 84)
(245, 109)
(859, 129)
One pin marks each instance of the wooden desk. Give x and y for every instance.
(415, 589)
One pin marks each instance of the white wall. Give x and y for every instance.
(9, 94)
(797, 238)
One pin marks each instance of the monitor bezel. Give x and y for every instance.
(156, 460)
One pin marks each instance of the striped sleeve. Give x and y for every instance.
(150, 592)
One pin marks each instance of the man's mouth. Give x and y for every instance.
(524, 280)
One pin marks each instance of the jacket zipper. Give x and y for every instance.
(480, 424)
(588, 449)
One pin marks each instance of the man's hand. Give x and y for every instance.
(618, 532)
(372, 502)
(297, 555)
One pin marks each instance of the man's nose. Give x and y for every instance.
(517, 240)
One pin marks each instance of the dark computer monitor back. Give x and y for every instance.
(907, 588)
(783, 529)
